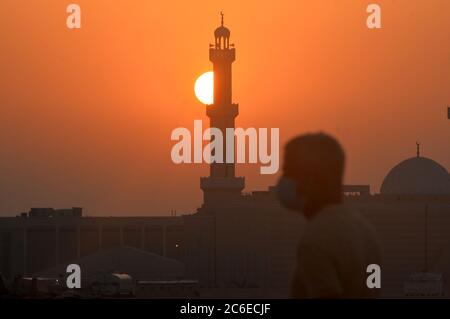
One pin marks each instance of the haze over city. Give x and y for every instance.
(86, 115)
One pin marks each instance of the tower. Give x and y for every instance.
(222, 184)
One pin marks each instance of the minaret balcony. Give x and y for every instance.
(224, 183)
(225, 55)
(222, 111)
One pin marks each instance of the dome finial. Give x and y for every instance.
(418, 149)
(221, 13)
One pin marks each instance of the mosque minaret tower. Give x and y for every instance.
(222, 183)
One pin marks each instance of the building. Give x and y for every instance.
(135, 262)
(222, 184)
(44, 238)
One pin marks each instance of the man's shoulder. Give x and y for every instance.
(335, 221)
(332, 214)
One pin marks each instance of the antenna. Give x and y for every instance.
(418, 149)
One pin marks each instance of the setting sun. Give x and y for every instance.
(204, 88)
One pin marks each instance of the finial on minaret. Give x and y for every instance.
(221, 13)
(418, 149)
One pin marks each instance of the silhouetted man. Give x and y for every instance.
(337, 244)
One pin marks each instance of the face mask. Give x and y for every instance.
(288, 195)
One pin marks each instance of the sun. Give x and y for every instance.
(204, 88)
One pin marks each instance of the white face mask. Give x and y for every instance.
(288, 195)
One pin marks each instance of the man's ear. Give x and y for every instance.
(314, 180)
(313, 175)
(305, 183)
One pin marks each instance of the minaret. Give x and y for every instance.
(222, 184)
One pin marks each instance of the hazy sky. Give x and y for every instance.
(86, 115)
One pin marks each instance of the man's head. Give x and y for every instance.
(313, 170)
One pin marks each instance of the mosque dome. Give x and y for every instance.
(417, 175)
(222, 32)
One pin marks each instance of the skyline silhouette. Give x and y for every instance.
(239, 240)
(93, 129)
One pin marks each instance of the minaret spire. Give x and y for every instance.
(221, 13)
(418, 149)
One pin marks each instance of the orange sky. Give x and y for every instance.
(86, 115)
